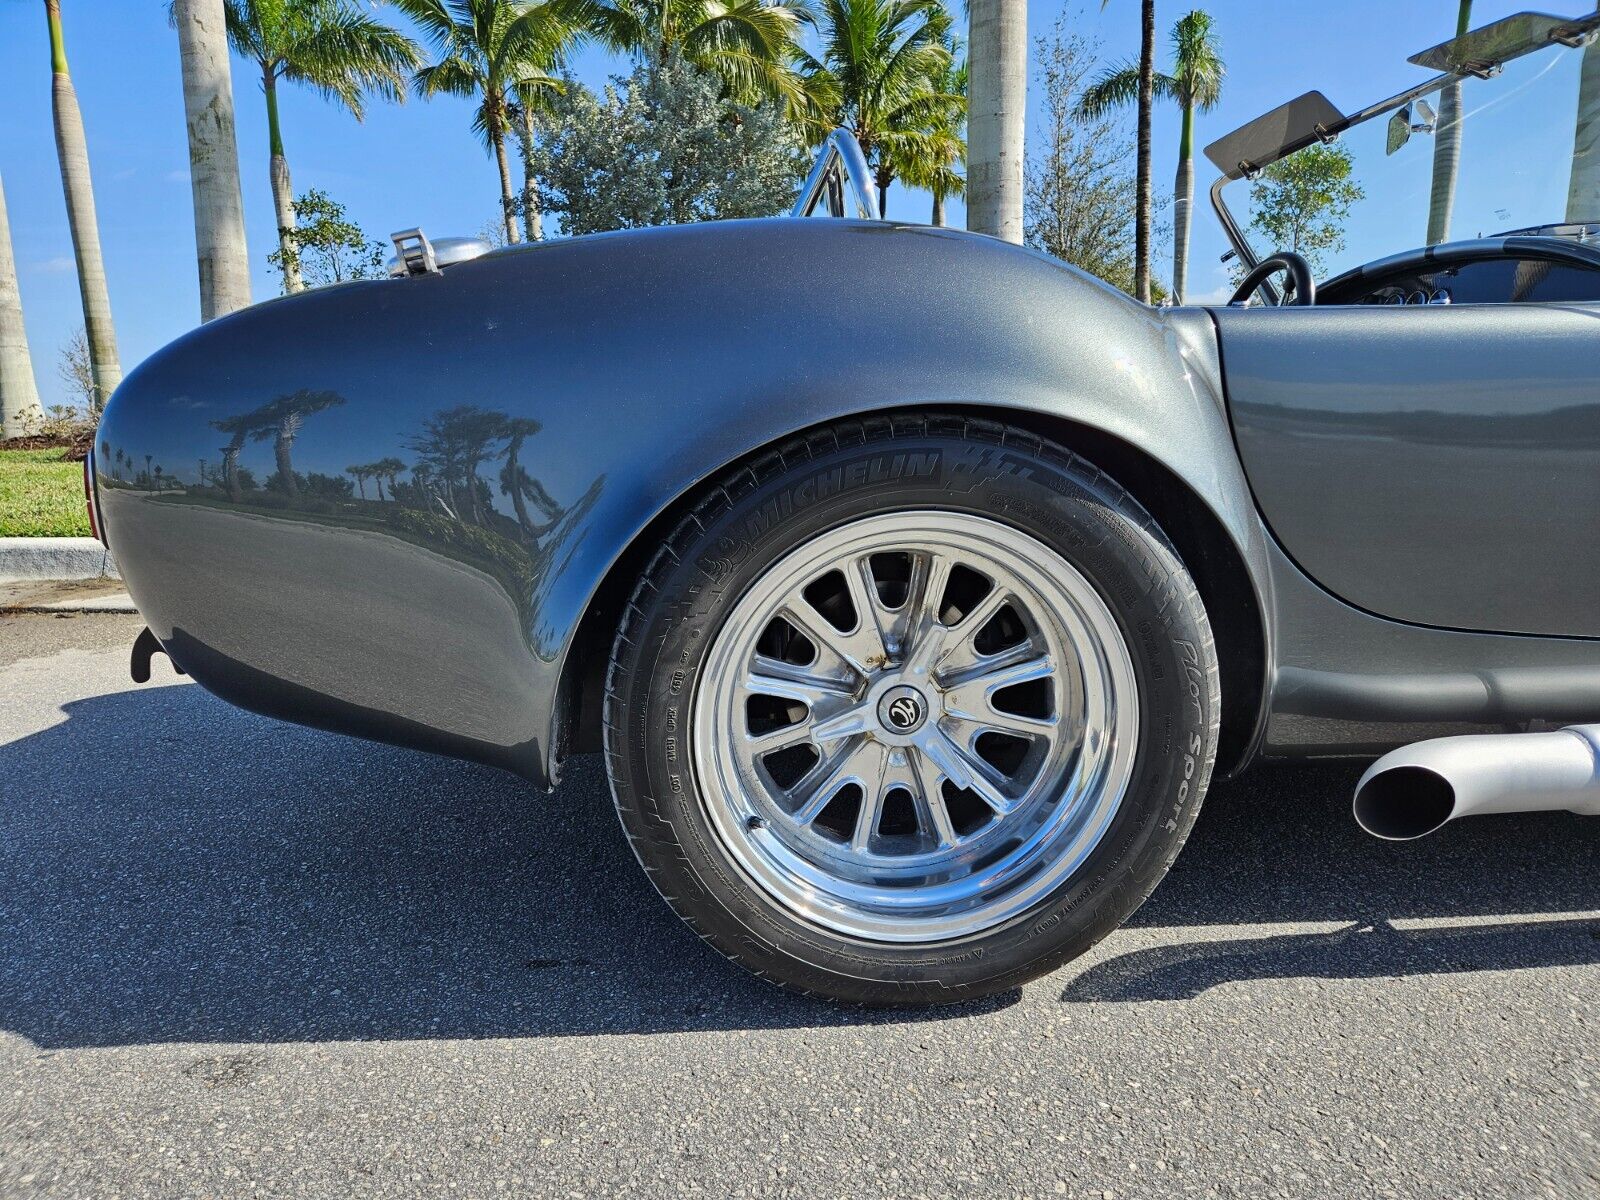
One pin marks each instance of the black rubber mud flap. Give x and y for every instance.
(145, 647)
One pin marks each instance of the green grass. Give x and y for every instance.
(41, 495)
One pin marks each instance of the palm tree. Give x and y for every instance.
(1583, 188)
(1115, 87)
(748, 44)
(330, 45)
(519, 485)
(220, 246)
(1196, 84)
(998, 98)
(230, 462)
(1447, 146)
(454, 443)
(499, 52)
(532, 220)
(279, 419)
(876, 76)
(73, 151)
(19, 394)
(933, 164)
(386, 468)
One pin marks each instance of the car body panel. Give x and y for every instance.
(1348, 683)
(1437, 465)
(640, 365)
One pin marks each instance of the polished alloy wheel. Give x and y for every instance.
(915, 726)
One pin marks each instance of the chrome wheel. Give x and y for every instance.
(915, 726)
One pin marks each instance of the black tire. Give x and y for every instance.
(728, 540)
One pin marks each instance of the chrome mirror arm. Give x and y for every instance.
(841, 179)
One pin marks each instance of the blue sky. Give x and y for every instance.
(420, 164)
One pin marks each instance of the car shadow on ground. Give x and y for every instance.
(1279, 845)
(174, 869)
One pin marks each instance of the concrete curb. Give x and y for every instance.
(101, 604)
(23, 558)
(64, 596)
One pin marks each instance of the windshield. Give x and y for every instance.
(1524, 163)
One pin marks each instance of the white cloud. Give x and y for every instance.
(177, 177)
(54, 266)
(1220, 294)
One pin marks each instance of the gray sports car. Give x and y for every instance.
(915, 584)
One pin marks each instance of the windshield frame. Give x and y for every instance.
(1581, 28)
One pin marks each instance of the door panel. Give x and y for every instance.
(1439, 465)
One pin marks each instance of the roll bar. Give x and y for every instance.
(842, 179)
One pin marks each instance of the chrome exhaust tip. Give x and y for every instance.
(1418, 789)
(1401, 804)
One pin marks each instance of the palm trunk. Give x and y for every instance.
(513, 477)
(1142, 198)
(1182, 206)
(282, 452)
(220, 248)
(1446, 163)
(883, 179)
(938, 208)
(230, 470)
(19, 396)
(1447, 147)
(474, 503)
(508, 204)
(996, 111)
(532, 219)
(282, 189)
(1583, 189)
(73, 151)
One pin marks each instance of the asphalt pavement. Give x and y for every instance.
(242, 958)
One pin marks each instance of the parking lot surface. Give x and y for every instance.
(239, 957)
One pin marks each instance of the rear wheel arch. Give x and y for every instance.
(1219, 570)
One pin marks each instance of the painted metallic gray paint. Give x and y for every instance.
(1350, 683)
(650, 361)
(1431, 465)
(641, 365)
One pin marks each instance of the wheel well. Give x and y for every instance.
(1218, 569)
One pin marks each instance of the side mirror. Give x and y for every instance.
(1399, 130)
(1403, 124)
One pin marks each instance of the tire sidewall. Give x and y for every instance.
(761, 515)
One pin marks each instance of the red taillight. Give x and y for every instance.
(88, 497)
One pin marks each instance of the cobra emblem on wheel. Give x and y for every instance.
(901, 710)
(903, 713)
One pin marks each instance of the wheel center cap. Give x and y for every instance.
(902, 710)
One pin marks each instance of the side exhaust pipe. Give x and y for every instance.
(1415, 790)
